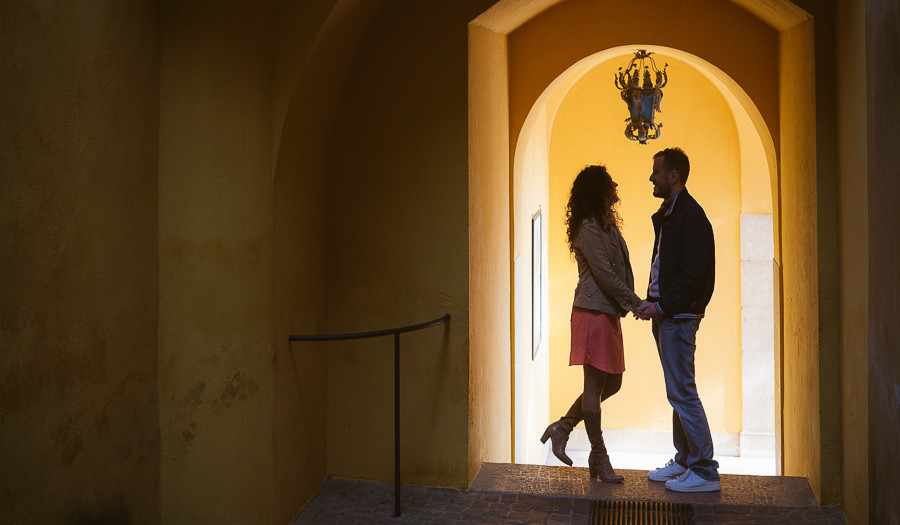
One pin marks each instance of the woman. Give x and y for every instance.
(604, 294)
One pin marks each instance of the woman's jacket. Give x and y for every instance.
(605, 279)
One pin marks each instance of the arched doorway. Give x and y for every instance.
(578, 121)
(516, 51)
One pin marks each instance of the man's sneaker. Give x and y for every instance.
(692, 482)
(671, 471)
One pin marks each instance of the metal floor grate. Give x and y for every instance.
(604, 512)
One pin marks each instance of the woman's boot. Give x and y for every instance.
(598, 461)
(558, 432)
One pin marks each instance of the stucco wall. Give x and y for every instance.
(800, 352)
(883, 26)
(215, 263)
(828, 245)
(396, 247)
(315, 45)
(79, 433)
(489, 396)
(854, 264)
(531, 312)
(810, 415)
(545, 46)
(242, 413)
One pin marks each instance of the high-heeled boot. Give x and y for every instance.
(598, 461)
(558, 432)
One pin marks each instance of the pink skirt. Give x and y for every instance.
(597, 341)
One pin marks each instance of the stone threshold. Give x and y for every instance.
(574, 482)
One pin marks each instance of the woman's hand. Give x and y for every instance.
(645, 311)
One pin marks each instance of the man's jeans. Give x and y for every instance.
(676, 341)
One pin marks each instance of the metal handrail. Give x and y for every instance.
(375, 333)
(379, 333)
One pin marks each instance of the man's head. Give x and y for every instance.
(670, 172)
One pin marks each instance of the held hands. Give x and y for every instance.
(645, 311)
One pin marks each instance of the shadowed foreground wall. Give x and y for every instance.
(215, 260)
(78, 135)
(854, 263)
(396, 250)
(314, 47)
(883, 23)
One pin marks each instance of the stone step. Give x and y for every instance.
(545, 480)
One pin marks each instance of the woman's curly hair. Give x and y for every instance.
(594, 195)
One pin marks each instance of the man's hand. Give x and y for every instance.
(646, 310)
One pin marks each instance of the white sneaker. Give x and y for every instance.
(672, 470)
(692, 482)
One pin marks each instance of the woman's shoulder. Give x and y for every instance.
(595, 225)
(593, 231)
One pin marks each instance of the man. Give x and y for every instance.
(681, 284)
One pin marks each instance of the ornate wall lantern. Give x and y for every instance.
(642, 91)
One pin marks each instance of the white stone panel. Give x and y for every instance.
(757, 437)
(757, 237)
(756, 284)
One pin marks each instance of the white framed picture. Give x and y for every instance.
(536, 276)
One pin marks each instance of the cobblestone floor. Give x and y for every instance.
(351, 502)
(714, 514)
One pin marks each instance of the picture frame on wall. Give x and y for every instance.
(536, 282)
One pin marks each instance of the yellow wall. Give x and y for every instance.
(311, 64)
(238, 435)
(79, 432)
(800, 375)
(827, 251)
(854, 264)
(883, 356)
(397, 253)
(489, 396)
(256, 88)
(244, 96)
(545, 46)
(588, 129)
(215, 264)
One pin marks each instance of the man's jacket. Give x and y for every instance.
(687, 261)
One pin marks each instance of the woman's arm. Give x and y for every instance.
(595, 244)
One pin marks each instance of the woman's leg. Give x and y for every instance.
(594, 383)
(558, 431)
(595, 386)
(574, 413)
(612, 385)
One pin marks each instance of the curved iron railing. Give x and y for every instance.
(380, 333)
